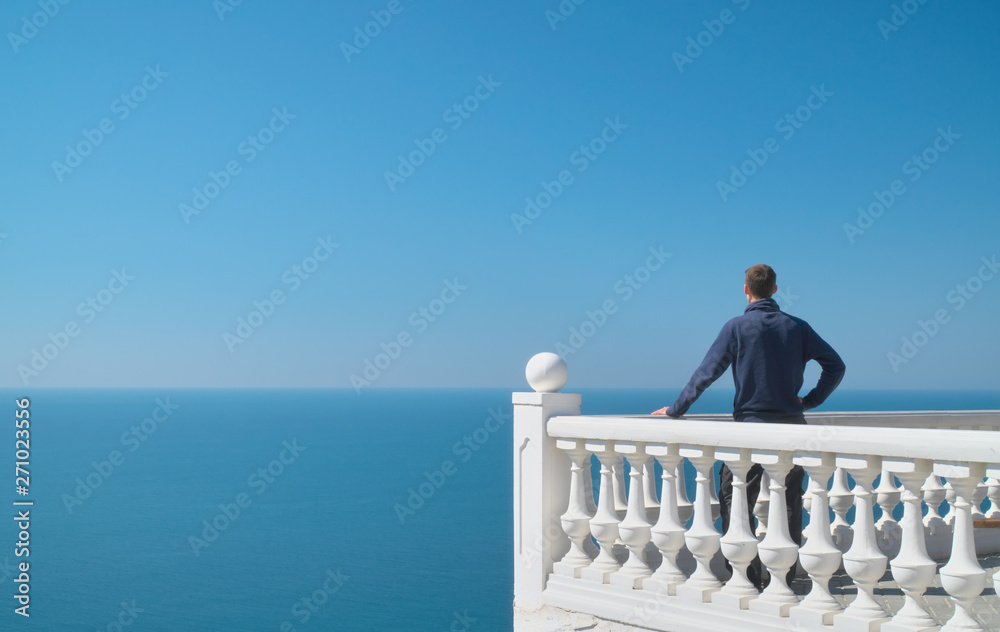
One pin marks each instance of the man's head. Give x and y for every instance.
(760, 282)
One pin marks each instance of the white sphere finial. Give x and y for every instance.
(546, 372)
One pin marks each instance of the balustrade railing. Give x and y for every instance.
(649, 556)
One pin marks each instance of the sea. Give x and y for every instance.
(283, 510)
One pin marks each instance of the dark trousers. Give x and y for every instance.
(793, 504)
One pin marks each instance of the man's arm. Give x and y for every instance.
(833, 370)
(720, 355)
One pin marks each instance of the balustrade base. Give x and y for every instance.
(803, 616)
(568, 570)
(737, 602)
(652, 584)
(629, 579)
(774, 608)
(895, 627)
(596, 575)
(696, 593)
(845, 622)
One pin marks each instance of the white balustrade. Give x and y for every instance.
(841, 501)
(702, 538)
(912, 568)
(950, 496)
(962, 577)
(993, 493)
(668, 532)
(777, 550)
(561, 568)
(978, 496)
(934, 494)
(739, 544)
(576, 519)
(634, 530)
(887, 497)
(819, 555)
(604, 524)
(760, 508)
(685, 508)
(864, 562)
(649, 488)
(619, 485)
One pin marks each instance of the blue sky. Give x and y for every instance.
(500, 101)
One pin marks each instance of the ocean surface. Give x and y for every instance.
(280, 510)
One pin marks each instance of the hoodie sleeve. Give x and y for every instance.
(833, 370)
(720, 355)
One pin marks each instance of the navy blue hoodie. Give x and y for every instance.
(768, 350)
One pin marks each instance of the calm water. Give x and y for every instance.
(318, 475)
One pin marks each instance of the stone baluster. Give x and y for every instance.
(978, 496)
(819, 556)
(777, 550)
(760, 508)
(841, 501)
(668, 532)
(739, 544)
(864, 562)
(649, 498)
(604, 524)
(576, 519)
(591, 503)
(887, 497)
(807, 509)
(619, 486)
(716, 506)
(649, 488)
(912, 568)
(949, 496)
(685, 508)
(993, 493)
(962, 577)
(934, 493)
(634, 530)
(702, 538)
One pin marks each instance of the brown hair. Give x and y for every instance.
(761, 280)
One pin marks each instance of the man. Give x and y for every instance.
(768, 351)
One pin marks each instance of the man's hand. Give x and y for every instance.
(662, 411)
